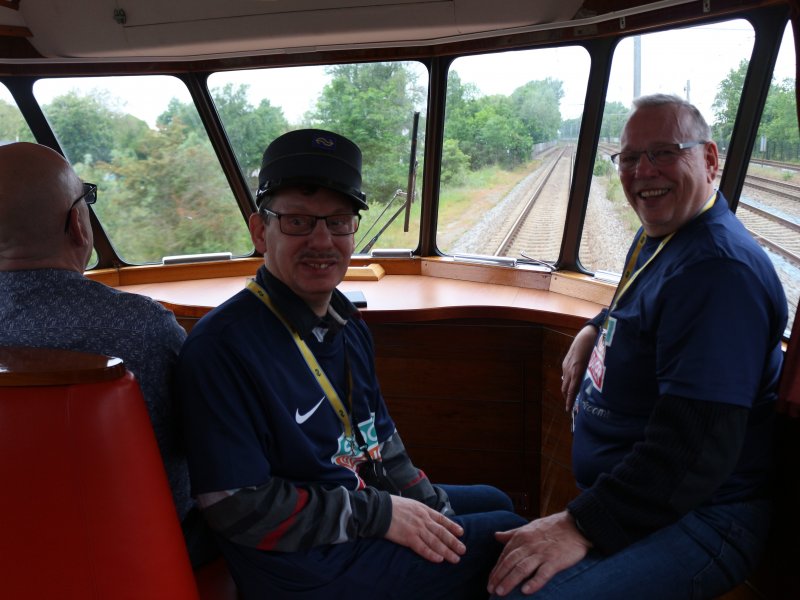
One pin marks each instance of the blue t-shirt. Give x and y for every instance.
(256, 409)
(703, 320)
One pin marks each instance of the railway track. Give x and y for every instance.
(534, 230)
(782, 189)
(776, 164)
(771, 230)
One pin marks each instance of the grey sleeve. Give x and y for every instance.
(279, 515)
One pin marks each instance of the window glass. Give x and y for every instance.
(13, 127)
(373, 104)
(769, 205)
(510, 125)
(161, 190)
(697, 63)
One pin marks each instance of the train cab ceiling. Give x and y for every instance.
(88, 30)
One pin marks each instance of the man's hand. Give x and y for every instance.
(575, 362)
(425, 531)
(541, 548)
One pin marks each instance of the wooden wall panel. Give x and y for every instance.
(466, 398)
(557, 485)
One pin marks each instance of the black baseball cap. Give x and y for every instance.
(312, 157)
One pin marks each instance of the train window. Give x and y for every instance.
(664, 62)
(769, 205)
(374, 104)
(162, 191)
(505, 176)
(13, 127)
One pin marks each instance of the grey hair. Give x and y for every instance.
(698, 123)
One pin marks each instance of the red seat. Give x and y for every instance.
(215, 582)
(86, 511)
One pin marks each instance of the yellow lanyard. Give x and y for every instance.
(629, 276)
(310, 359)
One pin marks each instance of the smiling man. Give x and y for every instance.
(675, 387)
(293, 456)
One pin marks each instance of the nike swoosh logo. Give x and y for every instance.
(304, 417)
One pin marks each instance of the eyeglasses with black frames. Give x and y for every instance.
(660, 156)
(89, 194)
(291, 224)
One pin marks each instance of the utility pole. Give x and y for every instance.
(637, 66)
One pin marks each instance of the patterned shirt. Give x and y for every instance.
(56, 308)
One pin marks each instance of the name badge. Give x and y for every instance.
(612, 326)
(597, 367)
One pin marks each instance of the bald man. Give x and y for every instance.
(45, 300)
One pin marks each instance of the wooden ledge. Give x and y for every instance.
(578, 285)
(147, 274)
(400, 298)
(415, 289)
(214, 269)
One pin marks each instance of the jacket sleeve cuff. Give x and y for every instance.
(377, 523)
(598, 320)
(597, 525)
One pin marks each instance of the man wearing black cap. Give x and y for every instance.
(292, 453)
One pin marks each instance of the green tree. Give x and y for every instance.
(459, 95)
(458, 125)
(454, 163)
(250, 129)
(498, 129)
(779, 122)
(778, 126)
(614, 116)
(13, 127)
(84, 125)
(500, 136)
(174, 201)
(185, 112)
(726, 104)
(537, 104)
(373, 104)
(131, 136)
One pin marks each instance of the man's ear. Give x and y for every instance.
(711, 157)
(77, 228)
(258, 232)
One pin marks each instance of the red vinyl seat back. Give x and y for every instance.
(86, 511)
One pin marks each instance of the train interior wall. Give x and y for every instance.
(480, 402)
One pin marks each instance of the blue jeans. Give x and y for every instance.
(705, 554)
(378, 569)
(481, 510)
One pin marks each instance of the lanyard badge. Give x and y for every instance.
(597, 368)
